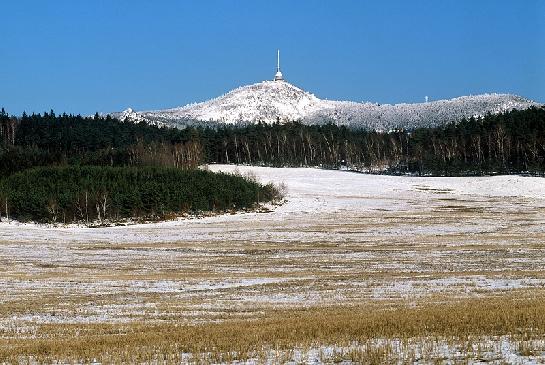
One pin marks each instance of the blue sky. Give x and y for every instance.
(86, 56)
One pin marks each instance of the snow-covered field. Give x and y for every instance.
(340, 238)
(447, 235)
(320, 196)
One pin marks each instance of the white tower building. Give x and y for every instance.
(278, 75)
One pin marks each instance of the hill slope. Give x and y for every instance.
(272, 101)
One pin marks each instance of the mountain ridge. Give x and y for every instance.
(280, 101)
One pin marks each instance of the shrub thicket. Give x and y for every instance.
(92, 193)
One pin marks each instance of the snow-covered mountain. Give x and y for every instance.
(267, 101)
(271, 101)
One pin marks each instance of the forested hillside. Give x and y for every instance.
(73, 169)
(48, 139)
(512, 142)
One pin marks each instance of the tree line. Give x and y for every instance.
(48, 139)
(511, 142)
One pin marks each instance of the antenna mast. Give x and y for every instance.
(278, 75)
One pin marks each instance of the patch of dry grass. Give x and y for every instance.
(467, 321)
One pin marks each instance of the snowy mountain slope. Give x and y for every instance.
(272, 101)
(265, 101)
(387, 116)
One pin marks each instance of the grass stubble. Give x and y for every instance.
(342, 273)
(373, 333)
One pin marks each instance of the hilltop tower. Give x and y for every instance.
(278, 74)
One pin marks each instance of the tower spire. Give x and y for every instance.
(278, 75)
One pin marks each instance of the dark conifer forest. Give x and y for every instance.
(73, 169)
(508, 143)
(92, 193)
